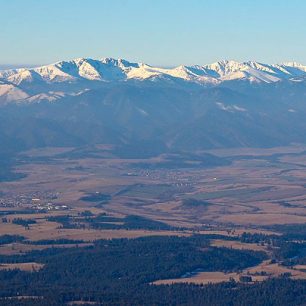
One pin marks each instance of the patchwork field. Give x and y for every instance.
(69, 200)
(258, 188)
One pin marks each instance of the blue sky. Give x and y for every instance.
(158, 32)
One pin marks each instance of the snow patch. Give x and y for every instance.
(230, 108)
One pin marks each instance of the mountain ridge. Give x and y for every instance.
(86, 102)
(39, 83)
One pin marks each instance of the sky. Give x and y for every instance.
(157, 32)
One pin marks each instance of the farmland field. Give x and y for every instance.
(251, 211)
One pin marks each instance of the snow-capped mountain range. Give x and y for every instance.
(138, 110)
(52, 82)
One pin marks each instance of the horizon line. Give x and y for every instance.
(37, 65)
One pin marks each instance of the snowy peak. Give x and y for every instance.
(110, 69)
(10, 92)
(79, 74)
(107, 69)
(225, 67)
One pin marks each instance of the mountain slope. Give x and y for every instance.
(160, 119)
(138, 110)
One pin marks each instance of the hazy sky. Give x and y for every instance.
(158, 32)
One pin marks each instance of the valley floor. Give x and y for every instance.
(70, 200)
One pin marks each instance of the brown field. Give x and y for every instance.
(201, 278)
(50, 230)
(237, 245)
(22, 248)
(25, 266)
(300, 267)
(272, 270)
(91, 235)
(236, 232)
